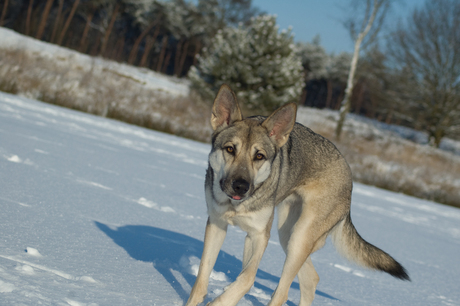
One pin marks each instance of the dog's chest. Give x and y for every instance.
(247, 220)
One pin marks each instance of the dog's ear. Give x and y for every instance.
(225, 110)
(281, 123)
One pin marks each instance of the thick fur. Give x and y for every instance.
(258, 164)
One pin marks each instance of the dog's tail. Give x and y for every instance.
(353, 247)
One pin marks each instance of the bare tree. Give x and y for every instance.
(426, 52)
(374, 15)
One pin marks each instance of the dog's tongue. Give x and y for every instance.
(236, 198)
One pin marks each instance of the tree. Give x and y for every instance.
(314, 59)
(426, 53)
(2, 16)
(258, 62)
(146, 25)
(114, 10)
(374, 12)
(229, 12)
(67, 23)
(44, 19)
(57, 20)
(29, 16)
(337, 72)
(87, 12)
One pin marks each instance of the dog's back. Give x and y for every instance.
(307, 157)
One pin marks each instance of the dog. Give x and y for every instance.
(261, 163)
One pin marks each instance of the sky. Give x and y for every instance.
(309, 18)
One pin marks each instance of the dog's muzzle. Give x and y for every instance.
(235, 189)
(240, 188)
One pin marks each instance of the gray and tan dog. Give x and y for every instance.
(259, 163)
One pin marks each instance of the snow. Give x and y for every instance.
(98, 212)
(10, 40)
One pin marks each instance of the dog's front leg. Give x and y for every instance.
(257, 242)
(214, 237)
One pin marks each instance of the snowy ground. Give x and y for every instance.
(10, 40)
(98, 212)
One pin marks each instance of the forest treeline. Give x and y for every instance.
(395, 86)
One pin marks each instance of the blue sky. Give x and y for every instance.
(311, 17)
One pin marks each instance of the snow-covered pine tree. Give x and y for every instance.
(258, 62)
(314, 59)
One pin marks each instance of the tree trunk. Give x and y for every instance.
(89, 18)
(346, 103)
(339, 99)
(97, 42)
(389, 117)
(148, 48)
(329, 94)
(118, 54)
(436, 136)
(67, 23)
(56, 22)
(150, 42)
(5, 8)
(360, 99)
(135, 48)
(105, 42)
(29, 15)
(42, 25)
(162, 53)
(303, 97)
(166, 64)
(178, 56)
(195, 53)
(184, 56)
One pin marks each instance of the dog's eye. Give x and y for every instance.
(230, 150)
(260, 156)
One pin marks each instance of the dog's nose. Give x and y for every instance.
(240, 186)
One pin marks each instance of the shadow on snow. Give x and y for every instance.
(165, 249)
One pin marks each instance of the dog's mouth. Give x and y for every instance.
(236, 200)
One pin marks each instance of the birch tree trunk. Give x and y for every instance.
(346, 102)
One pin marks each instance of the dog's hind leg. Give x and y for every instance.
(288, 215)
(303, 241)
(305, 219)
(308, 279)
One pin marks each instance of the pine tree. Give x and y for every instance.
(314, 59)
(258, 62)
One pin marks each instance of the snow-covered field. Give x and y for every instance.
(73, 60)
(98, 212)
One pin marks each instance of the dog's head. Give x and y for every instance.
(244, 149)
